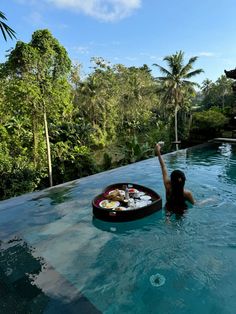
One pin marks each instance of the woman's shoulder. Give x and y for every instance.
(188, 196)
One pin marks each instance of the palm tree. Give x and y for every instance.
(175, 83)
(206, 86)
(5, 29)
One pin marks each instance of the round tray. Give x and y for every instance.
(109, 214)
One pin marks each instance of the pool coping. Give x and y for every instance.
(223, 139)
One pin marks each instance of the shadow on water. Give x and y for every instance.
(125, 227)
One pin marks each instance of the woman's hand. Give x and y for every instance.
(158, 149)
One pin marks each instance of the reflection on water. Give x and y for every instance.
(108, 266)
(57, 195)
(18, 268)
(225, 150)
(29, 285)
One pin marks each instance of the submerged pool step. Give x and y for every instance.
(20, 294)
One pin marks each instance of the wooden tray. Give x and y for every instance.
(128, 214)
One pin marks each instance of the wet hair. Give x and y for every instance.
(177, 200)
(177, 178)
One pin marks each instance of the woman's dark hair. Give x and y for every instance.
(177, 200)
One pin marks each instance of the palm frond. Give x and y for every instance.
(193, 73)
(188, 66)
(2, 16)
(188, 83)
(192, 60)
(5, 29)
(163, 78)
(162, 69)
(176, 90)
(175, 62)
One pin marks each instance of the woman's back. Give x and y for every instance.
(175, 193)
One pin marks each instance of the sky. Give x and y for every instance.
(131, 32)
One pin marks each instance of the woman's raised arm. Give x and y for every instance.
(165, 176)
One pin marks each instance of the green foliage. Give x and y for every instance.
(72, 162)
(218, 94)
(135, 151)
(137, 97)
(208, 123)
(75, 130)
(34, 84)
(175, 87)
(161, 131)
(17, 175)
(38, 89)
(115, 100)
(107, 161)
(116, 113)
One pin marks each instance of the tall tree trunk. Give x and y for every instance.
(176, 127)
(48, 148)
(35, 136)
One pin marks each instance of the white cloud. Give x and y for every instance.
(206, 54)
(81, 49)
(106, 10)
(62, 26)
(150, 56)
(35, 18)
(131, 58)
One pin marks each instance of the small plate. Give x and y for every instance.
(141, 193)
(145, 197)
(141, 203)
(109, 204)
(120, 191)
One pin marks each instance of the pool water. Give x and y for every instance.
(153, 265)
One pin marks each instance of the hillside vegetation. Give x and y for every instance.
(56, 126)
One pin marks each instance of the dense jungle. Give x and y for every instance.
(57, 124)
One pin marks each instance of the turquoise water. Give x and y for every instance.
(111, 264)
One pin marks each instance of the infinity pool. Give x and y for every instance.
(57, 259)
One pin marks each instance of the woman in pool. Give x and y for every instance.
(176, 195)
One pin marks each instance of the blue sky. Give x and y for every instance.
(132, 32)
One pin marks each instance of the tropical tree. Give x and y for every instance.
(5, 29)
(207, 124)
(136, 98)
(116, 101)
(217, 94)
(176, 86)
(206, 86)
(39, 72)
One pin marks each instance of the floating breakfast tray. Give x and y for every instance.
(142, 202)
